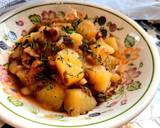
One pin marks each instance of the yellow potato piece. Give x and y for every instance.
(112, 42)
(87, 29)
(100, 48)
(69, 65)
(77, 39)
(111, 61)
(99, 77)
(51, 95)
(21, 74)
(78, 102)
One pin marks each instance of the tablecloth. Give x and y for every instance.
(150, 117)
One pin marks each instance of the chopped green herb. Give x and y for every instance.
(68, 30)
(60, 58)
(70, 74)
(97, 45)
(34, 45)
(41, 76)
(43, 60)
(69, 65)
(67, 40)
(55, 49)
(79, 73)
(47, 46)
(49, 86)
(75, 23)
(93, 54)
(99, 60)
(18, 44)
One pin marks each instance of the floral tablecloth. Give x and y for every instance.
(150, 117)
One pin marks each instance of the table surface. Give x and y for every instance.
(150, 117)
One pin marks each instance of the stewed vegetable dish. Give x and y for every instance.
(68, 64)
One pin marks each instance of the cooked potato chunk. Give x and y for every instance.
(100, 48)
(99, 77)
(111, 61)
(52, 95)
(112, 42)
(21, 74)
(78, 102)
(77, 39)
(69, 66)
(87, 29)
(13, 67)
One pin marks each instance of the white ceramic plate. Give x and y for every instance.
(126, 104)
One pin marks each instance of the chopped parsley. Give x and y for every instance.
(55, 49)
(69, 65)
(97, 45)
(75, 23)
(68, 30)
(79, 73)
(99, 60)
(60, 58)
(49, 86)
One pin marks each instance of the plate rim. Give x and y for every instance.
(126, 19)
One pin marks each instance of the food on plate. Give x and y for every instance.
(69, 63)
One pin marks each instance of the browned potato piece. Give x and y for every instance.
(100, 48)
(13, 67)
(77, 39)
(112, 42)
(111, 61)
(99, 77)
(21, 74)
(69, 65)
(87, 29)
(78, 102)
(52, 95)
